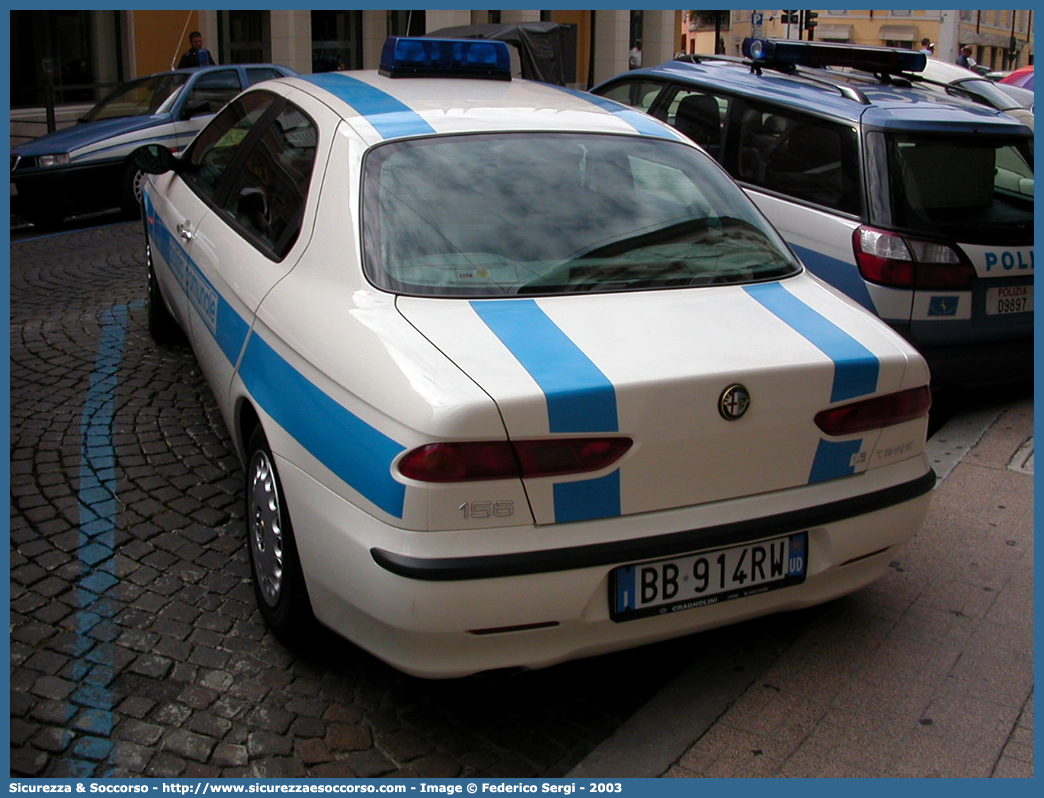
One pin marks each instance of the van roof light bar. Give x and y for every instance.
(410, 57)
(785, 55)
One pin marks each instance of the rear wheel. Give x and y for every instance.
(279, 585)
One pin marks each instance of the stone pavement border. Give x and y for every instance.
(734, 712)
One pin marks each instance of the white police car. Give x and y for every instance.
(518, 374)
(915, 203)
(87, 167)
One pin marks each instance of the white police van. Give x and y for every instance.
(916, 204)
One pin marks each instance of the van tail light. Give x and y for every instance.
(900, 262)
(881, 411)
(479, 460)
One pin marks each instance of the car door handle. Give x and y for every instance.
(184, 231)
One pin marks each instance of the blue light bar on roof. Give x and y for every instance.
(408, 57)
(776, 53)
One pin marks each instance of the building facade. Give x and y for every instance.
(64, 61)
(77, 54)
(1000, 40)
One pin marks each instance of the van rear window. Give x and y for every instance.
(980, 187)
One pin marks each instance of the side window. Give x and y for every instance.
(639, 94)
(809, 159)
(219, 142)
(1014, 171)
(215, 89)
(700, 116)
(268, 193)
(257, 74)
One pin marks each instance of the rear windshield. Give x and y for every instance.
(546, 213)
(968, 189)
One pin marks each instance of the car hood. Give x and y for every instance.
(70, 139)
(655, 367)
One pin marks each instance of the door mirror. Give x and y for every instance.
(197, 108)
(154, 159)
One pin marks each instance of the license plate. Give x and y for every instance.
(1009, 299)
(708, 577)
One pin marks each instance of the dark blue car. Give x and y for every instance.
(87, 167)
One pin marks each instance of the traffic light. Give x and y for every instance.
(789, 17)
(810, 19)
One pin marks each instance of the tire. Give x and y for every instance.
(163, 327)
(279, 585)
(130, 191)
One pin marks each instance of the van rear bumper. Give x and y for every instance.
(996, 362)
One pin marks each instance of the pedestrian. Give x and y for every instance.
(965, 58)
(634, 61)
(926, 46)
(196, 55)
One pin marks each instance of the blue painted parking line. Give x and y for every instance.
(94, 667)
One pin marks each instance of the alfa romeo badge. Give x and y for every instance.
(734, 402)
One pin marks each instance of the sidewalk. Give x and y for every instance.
(927, 673)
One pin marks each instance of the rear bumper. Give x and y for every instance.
(991, 363)
(669, 545)
(509, 598)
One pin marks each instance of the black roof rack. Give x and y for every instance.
(848, 92)
(699, 58)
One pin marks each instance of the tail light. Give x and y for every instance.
(478, 460)
(881, 411)
(901, 262)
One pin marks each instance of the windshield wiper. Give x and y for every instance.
(577, 270)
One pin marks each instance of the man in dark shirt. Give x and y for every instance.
(965, 58)
(196, 56)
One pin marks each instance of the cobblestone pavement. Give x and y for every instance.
(136, 649)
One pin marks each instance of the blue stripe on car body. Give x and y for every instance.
(834, 459)
(389, 116)
(588, 499)
(392, 118)
(856, 368)
(356, 452)
(225, 324)
(843, 275)
(641, 122)
(580, 398)
(359, 454)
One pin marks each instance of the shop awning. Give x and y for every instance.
(899, 33)
(834, 33)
